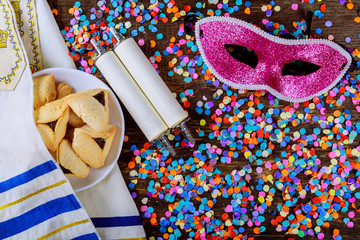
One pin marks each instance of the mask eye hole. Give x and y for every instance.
(299, 68)
(243, 54)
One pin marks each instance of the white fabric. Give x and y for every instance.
(110, 197)
(29, 180)
(54, 52)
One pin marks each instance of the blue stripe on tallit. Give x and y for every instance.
(27, 176)
(38, 215)
(103, 222)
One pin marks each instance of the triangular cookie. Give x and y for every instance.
(70, 161)
(52, 132)
(89, 109)
(101, 95)
(93, 146)
(50, 111)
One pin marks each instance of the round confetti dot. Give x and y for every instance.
(141, 42)
(294, 6)
(328, 23)
(276, 142)
(350, 5)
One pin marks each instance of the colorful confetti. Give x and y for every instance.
(280, 181)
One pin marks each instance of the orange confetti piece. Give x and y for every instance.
(152, 43)
(337, 113)
(350, 5)
(335, 215)
(175, 9)
(357, 19)
(91, 62)
(247, 10)
(326, 224)
(210, 12)
(131, 165)
(257, 230)
(158, 58)
(55, 11)
(153, 221)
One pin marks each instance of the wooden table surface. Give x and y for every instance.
(343, 26)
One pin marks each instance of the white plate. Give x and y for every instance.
(79, 81)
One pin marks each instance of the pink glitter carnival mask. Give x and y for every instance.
(245, 57)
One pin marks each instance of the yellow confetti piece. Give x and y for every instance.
(171, 137)
(332, 192)
(330, 118)
(133, 173)
(269, 198)
(138, 159)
